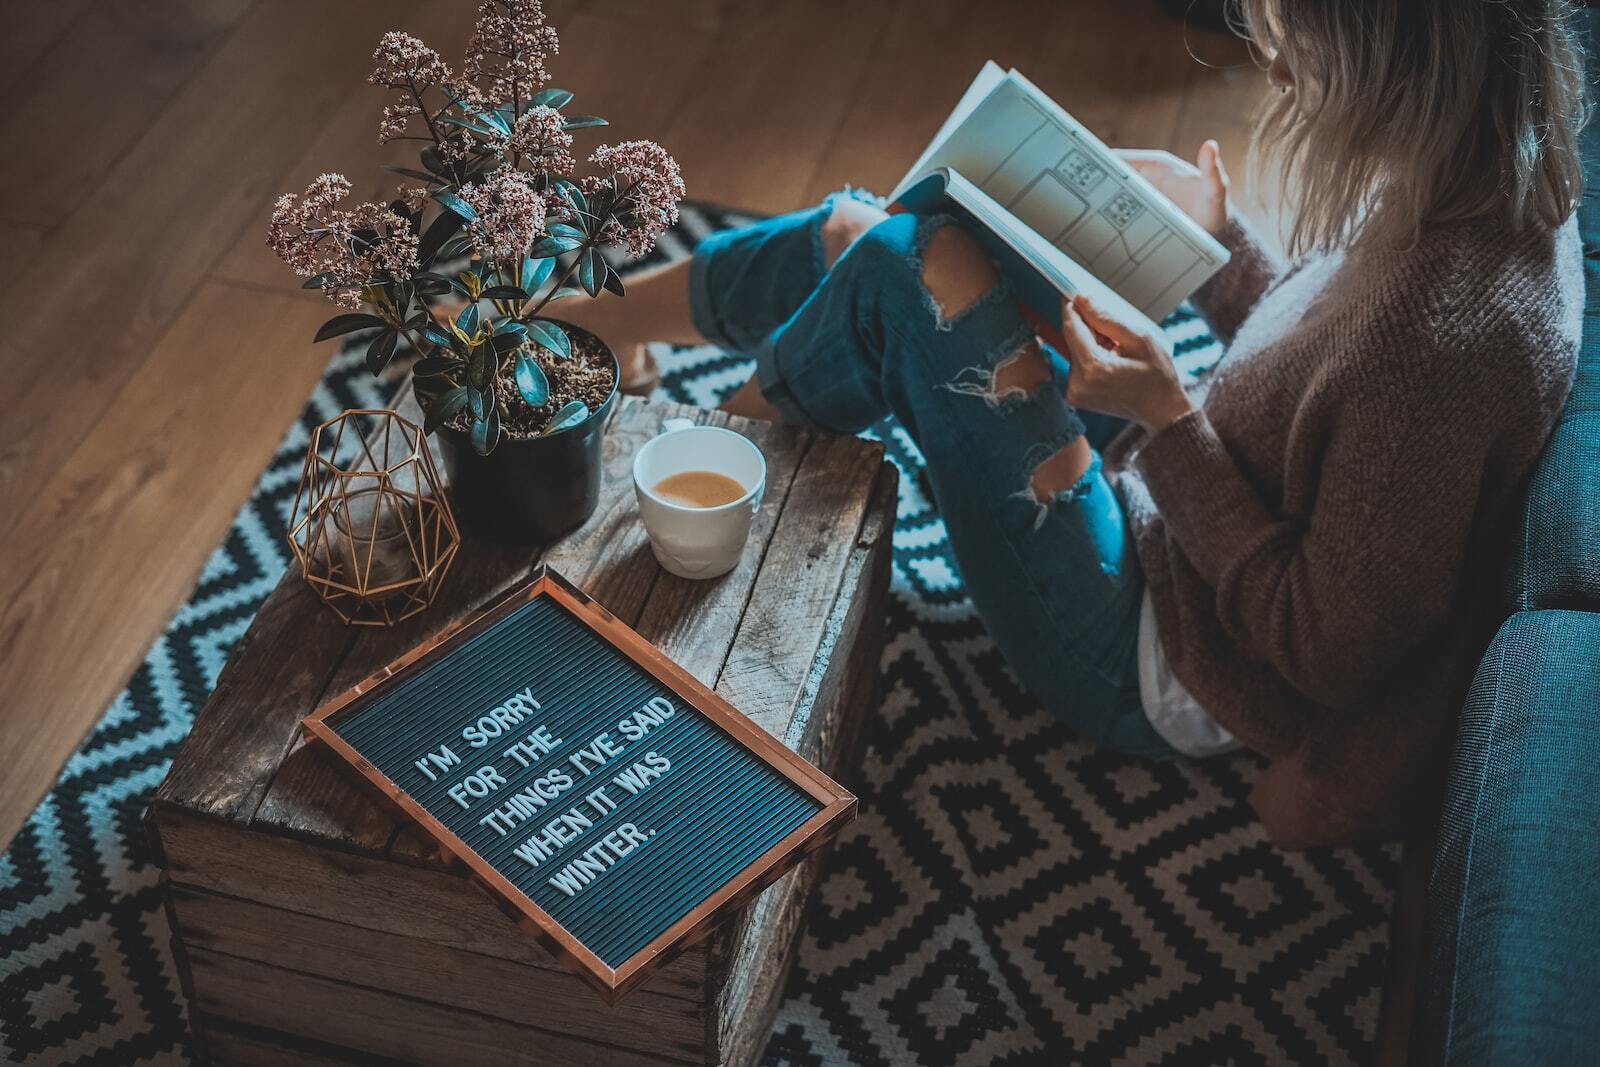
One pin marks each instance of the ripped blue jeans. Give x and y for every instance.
(1057, 583)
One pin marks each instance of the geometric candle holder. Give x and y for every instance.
(371, 527)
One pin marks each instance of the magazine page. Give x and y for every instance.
(1049, 171)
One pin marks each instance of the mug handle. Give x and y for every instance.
(672, 425)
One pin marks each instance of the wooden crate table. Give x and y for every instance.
(309, 926)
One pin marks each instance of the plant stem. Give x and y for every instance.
(582, 250)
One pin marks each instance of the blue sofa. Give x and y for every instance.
(1513, 909)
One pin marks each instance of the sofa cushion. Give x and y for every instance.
(1557, 560)
(1514, 897)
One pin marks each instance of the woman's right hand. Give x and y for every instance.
(1199, 188)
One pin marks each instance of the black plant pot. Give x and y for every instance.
(531, 491)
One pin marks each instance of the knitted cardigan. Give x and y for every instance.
(1325, 539)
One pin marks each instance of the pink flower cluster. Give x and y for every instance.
(507, 49)
(651, 187)
(314, 236)
(511, 213)
(539, 136)
(404, 62)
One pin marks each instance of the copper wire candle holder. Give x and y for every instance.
(371, 527)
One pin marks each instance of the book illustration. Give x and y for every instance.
(1052, 183)
(1081, 172)
(1055, 196)
(1122, 210)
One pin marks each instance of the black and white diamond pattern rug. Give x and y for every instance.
(1008, 895)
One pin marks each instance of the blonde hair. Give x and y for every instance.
(1407, 113)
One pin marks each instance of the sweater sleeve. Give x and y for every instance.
(1337, 599)
(1228, 295)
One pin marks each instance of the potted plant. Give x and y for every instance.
(491, 227)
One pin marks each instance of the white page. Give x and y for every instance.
(1049, 171)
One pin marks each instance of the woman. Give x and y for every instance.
(1302, 556)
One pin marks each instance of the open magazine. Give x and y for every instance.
(1057, 207)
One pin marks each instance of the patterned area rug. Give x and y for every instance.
(1008, 894)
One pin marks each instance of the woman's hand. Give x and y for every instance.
(1134, 378)
(1199, 188)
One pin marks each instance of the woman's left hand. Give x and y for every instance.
(1134, 378)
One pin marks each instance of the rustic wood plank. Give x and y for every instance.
(164, 194)
(431, 907)
(20, 243)
(391, 963)
(127, 487)
(353, 1016)
(795, 592)
(780, 132)
(96, 89)
(30, 32)
(1127, 95)
(693, 622)
(748, 966)
(237, 1045)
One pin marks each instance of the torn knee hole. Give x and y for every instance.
(1020, 373)
(956, 272)
(1063, 471)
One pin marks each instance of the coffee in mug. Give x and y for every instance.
(698, 489)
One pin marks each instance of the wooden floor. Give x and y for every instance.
(153, 352)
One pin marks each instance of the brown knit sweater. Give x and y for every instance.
(1326, 538)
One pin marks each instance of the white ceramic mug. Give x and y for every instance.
(698, 542)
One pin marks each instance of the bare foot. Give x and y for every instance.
(750, 404)
(640, 373)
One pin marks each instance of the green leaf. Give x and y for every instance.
(434, 161)
(565, 229)
(535, 272)
(482, 363)
(505, 292)
(445, 408)
(613, 280)
(547, 334)
(553, 246)
(381, 351)
(457, 246)
(467, 321)
(452, 202)
(486, 432)
(451, 120)
(571, 414)
(437, 234)
(430, 366)
(556, 98)
(591, 271)
(584, 122)
(418, 175)
(499, 120)
(437, 334)
(566, 291)
(320, 281)
(506, 342)
(531, 382)
(430, 283)
(346, 324)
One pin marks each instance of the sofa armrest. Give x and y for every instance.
(1513, 914)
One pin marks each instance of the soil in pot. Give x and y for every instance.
(588, 375)
(534, 487)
